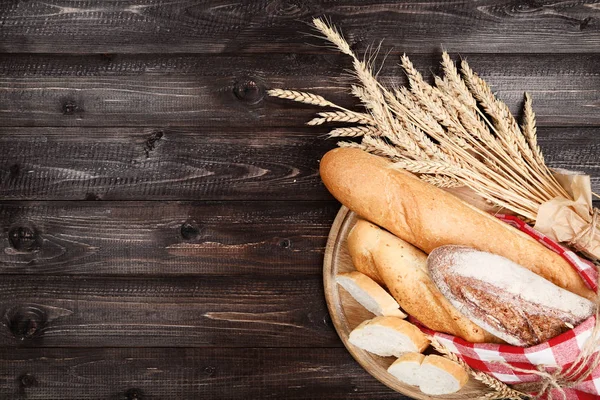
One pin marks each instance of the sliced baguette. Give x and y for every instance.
(388, 336)
(439, 375)
(403, 268)
(407, 368)
(369, 294)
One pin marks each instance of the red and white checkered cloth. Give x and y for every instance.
(559, 351)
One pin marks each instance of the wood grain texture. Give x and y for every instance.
(164, 238)
(161, 163)
(202, 163)
(91, 374)
(249, 26)
(198, 311)
(230, 91)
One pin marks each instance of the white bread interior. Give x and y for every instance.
(369, 294)
(439, 376)
(388, 336)
(407, 368)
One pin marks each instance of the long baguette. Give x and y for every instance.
(403, 268)
(428, 217)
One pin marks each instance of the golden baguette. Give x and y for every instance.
(428, 217)
(403, 268)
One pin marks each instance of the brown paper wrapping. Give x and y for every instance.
(570, 221)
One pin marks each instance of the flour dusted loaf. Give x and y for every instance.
(506, 299)
(388, 336)
(428, 217)
(403, 269)
(369, 294)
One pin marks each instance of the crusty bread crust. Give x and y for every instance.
(411, 357)
(429, 217)
(360, 247)
(403, 268)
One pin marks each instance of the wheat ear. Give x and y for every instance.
(354, 131)
(530, 130)
(342, 116)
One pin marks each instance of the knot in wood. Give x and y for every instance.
(24, 238)
(288, 8)
(285, 243)
(190, 230)
(27, 380)
(25, 322)
(70, 107)
(210, 370)
(151, 142)
(586, 23)
(133, 394)
(14, 170)
(248, 90)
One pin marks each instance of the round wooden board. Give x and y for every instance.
(347, 314)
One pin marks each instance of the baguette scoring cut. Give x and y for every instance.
(503, 297)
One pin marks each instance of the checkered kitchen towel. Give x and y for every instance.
(559, 351)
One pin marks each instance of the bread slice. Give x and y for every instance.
(361, 242)
(388, 336)
(429, 217)
(407, 368)
(403, 268)
(439, 375)
(369, 294)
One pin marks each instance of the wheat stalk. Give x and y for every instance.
(301, 97)
(441, 181)
(342, 116)
(354, 131)
(440, 132)
(530, 131)
(352, 145)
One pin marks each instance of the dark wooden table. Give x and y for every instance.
(163, 222)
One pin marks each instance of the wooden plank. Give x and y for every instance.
(193, 311)
(162, 163)
(230, 91)
(201, 164)
(163, 373)
(164, 238)
(250, 26)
